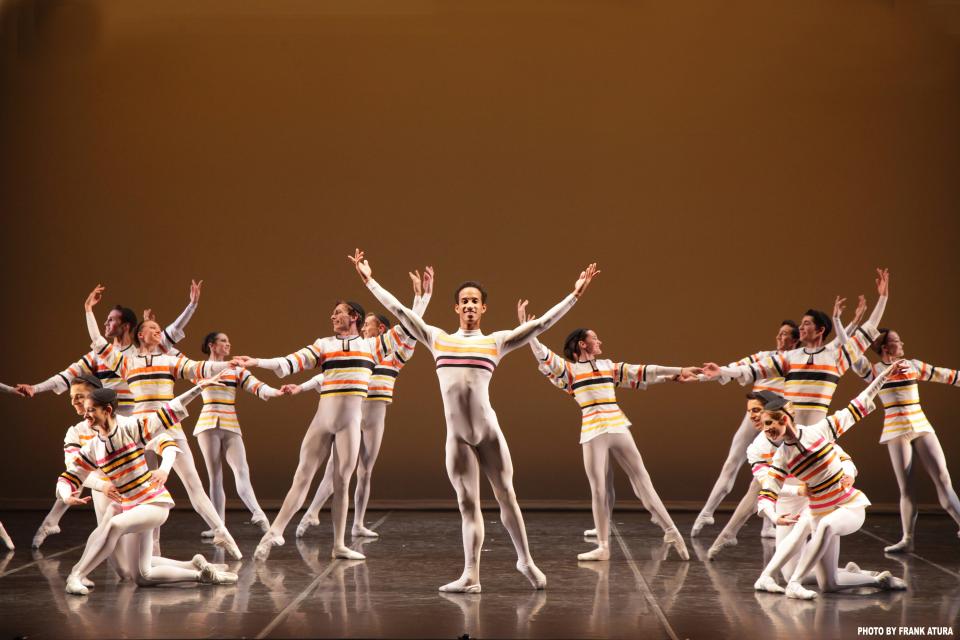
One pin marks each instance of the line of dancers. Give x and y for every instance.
(803, 484)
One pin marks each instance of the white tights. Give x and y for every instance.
(745, 434)
(52, 519)
(129, 536)
(218, 445)
(371, 432)
(928, 449)
(340, 417)
(596, 462)
(187, 472)
(822, 553)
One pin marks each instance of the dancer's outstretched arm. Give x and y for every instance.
(412, 322)
(251, 384)
(510, 340)
(313, 384)
(841, 421)
(930, 373)
(5, 388)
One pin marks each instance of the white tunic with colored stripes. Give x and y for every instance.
(120, 456)
(385, 373)
(220, 400)
(900, 395)
(815, 460)
(773, 383)
(75, 439)
(593, 385)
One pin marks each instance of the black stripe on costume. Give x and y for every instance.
(592, 381)
(150, 376)
(813, 375)
(898, 383)
(349, 363)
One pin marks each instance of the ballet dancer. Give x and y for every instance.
(812, 371)
(604, 429)
(347, 361)
(218, 431)
(119, 328)
(906, 431)
(150, 374)
(465, 363)
(373, 414)
(75, 437)
(118, 451)
(836, 507)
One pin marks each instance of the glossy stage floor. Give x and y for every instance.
(641, 592)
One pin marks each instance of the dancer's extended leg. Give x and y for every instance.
(790, 541)
(744, 435)
(347, 444)
(372, 428)
(934, 461)
(463, 469)
(494, 458)
(311, 517)
(828, 529)
(596, 464)
(901, 457)
(51, 523)
(212, 450)
(745, 508)
(235, 453)
(610, 499)
(625, 452)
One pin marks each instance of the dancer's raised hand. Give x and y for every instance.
(861, 309)
(838, 306)
(417, 283)
(428, 280)
(883, 281)
(361, 265)
(149, 315)
(195, 288)
(94, 297)
(586, 276)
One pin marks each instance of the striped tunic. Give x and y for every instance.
(75, 439)
(815, 460)
(810, 376)
(900, 395)
(774, 383)
(151, 377)
(120, 456)
(593, 385)
(219, 400)
(388, 366)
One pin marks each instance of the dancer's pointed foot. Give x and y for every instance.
(5, 537)
(308, 520)
(360, 531)
(260, 519)
(209, 575)
(209, 533)
(87, 582)
(852, 567)
(600, 553)
(466, 584)
(223, 539)
(533, 574)
(200, 563)
(590, 533)
(39, 536)
(702, 520)
(346, 553)
(267, 543)
(904, 546)
(796, 590)
(886, 580)
(75, 585)
(768, 584)
(722, 542)
(673, 538)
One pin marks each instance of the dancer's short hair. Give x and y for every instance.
(136, 331)
(877, 345)
(91, 381)
(821, 320)
(779, 407)
(470, 283)
(104, 398)
(764, 396)
(571, 346)
(127, 316)
(355, 308)
(794, 329)
(208, 340)
(382, 319)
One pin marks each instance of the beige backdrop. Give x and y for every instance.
(728, 165)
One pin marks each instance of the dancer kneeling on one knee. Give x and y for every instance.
(118, 451)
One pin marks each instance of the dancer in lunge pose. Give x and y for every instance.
(76, 437)
(118, 451)
(906, 431)
(808, 453)
(604, 429)
(466, 361)
(150, 374)
(373, 414)
(347, 361)
(218, 431)
(811, 372)
(119, 327)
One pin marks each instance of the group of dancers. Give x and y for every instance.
(130, 436)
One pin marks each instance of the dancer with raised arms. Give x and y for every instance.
(465, 361)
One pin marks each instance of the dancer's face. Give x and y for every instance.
(590, 345)
(113, 326)
(809, 331)
(754, 410)
(150, 334)
(774, 428)
(220, 347)
(343, 322)
(372, 327)
(893, 347)
(785, 340)
(470, 307)
(94, 415)
(79, 393)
